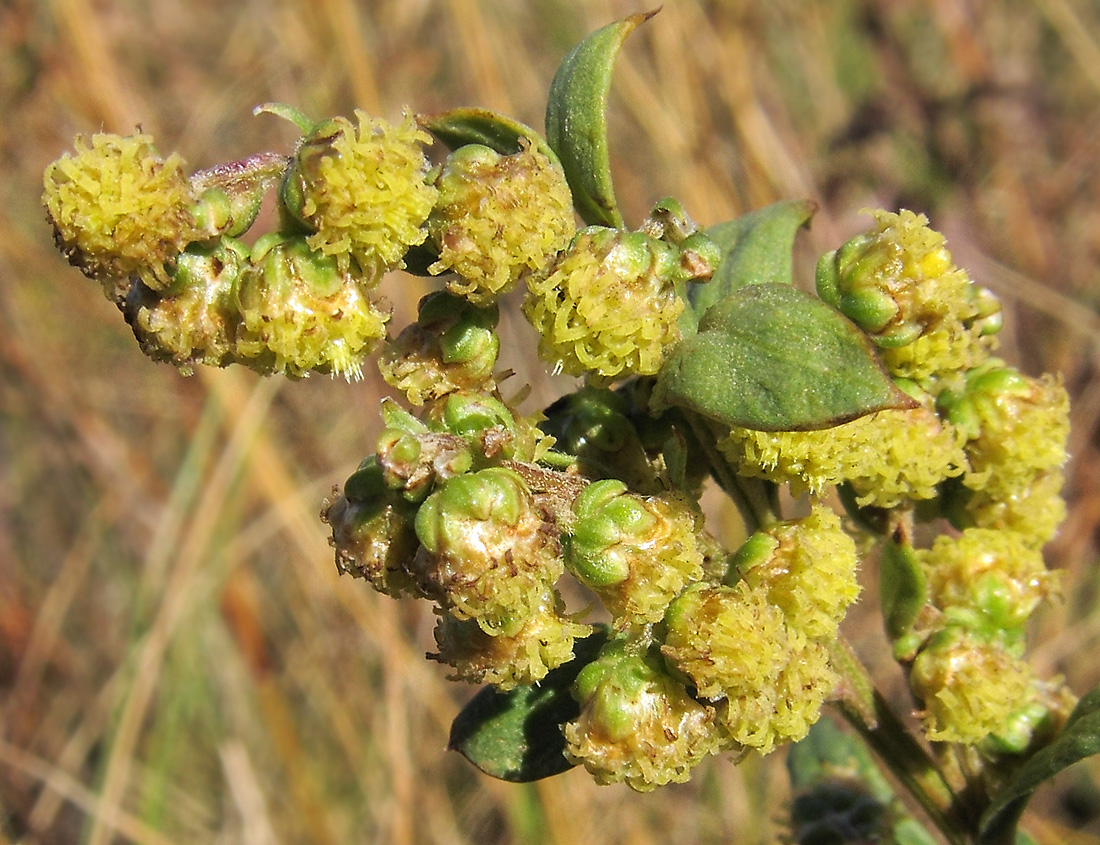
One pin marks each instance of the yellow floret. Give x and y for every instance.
(364, 191)
(811, 574)
(888, 457)
(602, 311)
(119, 209)
(970, 688)
(497, 218)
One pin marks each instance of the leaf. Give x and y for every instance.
(576, 120)
(756, 249)
(773, 358)
(1080, 738)
(516, 735)
(903, 592)
(459, 127)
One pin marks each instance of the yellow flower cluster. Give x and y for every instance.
(970, 687)
(497, 218)
(637, 725)
(888, 457)
(603, 309)
(758, 649)
(362, 190)
(299, 313)
(120, 210)
(542, 642)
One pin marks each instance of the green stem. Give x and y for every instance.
(755, 499)
(868, 712)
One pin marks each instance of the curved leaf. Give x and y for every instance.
(773, 358)
(459, 127)
(576, 120)
(516, 735)
(1080, 738)
(756, 249)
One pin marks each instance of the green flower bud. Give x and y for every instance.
(991, 571)
(767, 680)
(230, 194)
(497, 218)
(486, 552)
(452, 346)
(609, 307)
(372, 532)
(119, 210)
(889, 457)
(414, 463)
(898, 283)
(809, 574)
(969, 686)
(1017, 428)
(543, 642)
(193, 321)
(636, 553)
(361, 190)
(592, 424)
(637, 724)
(300, 313)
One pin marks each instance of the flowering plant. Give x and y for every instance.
(565, 552)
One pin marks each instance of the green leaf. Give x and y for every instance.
(903, 591)
(576, 120)
(516, 735)
(459, 127)
(773, 358)
(756, 249)
(1080, 738)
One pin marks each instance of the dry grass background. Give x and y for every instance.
(179, 662)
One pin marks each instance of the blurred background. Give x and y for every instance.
(179, 661)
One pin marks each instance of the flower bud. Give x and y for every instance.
(230, 195)
(372, 532)
(498, 217)
(809, 573)
(193, 321)
(636, 553)
(452, 346)
(414, 463)
(990, 571)
(637, 724)
(543, 642)
(767, 680)
(118, 210)
(300, 313)
(1017, 428)
(888, 457)
(609, 306)
(969, 686)
(486, 553)
(361, 190)
(899, 284)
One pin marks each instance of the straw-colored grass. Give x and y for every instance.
(179, 661)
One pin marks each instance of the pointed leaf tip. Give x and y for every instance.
(576, 119)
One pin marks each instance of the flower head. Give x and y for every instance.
(361, 190)
(497, 218)
(300, 313)
(637, 723)
(119, 210)
(609, 305)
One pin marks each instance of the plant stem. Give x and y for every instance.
(753, 498)
(898, 750)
